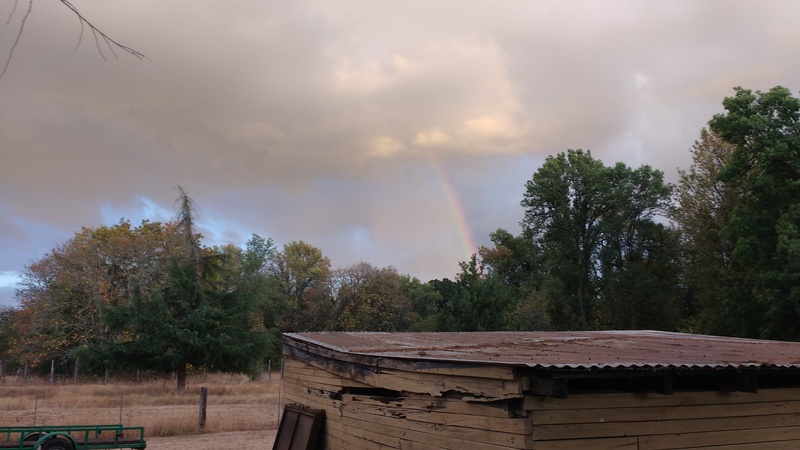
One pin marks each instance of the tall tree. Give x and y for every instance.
(703, 210)
(9, 335)
(517, 262)
(764, 228)
(639, 257)
(199, 318)
(185, 324)
(597, 230)
(302, 275)
(565, 203)
(64, 292)
(370, 299)
(425, 300)
(481, 302)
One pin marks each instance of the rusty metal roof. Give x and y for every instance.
(579, 350)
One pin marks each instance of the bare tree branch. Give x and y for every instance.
(19, 34)
(99, 35)
(13, 10)
(96, 33)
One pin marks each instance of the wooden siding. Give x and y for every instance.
(485, 383)
(375, 401)
(767, 419)
(411, 421)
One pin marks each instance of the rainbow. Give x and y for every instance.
(456, 210)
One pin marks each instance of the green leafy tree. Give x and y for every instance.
(565, 203)
(425, 302)
(302, 276)
(65, 292)
(371, 299)
(639, 257)
(184, 325)
(202, 317)
(764, 128)
(603, 253)
(10, 341)
(516, 261)
(481, 302)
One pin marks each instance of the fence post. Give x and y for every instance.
(201, 423)
(25, 374)
(269, 371)
(2, 373)
(52, 371)
(138, 376)
(75, 374)
(105, 380)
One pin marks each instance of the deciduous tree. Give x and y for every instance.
(64, 292)
(199, 318)
(302, 274)
(367, 298)
(764, 226)
(480, 302)
(599, 237)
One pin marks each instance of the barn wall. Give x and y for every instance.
(769, 418)
(367, 415)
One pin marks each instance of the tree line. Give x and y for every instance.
(601, 247)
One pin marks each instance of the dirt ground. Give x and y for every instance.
(240, 440)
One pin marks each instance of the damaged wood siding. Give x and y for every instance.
(484, 383)
(769, 418)
(361, 416)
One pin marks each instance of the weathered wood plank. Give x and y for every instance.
(412, 445)
(422, 364)
(369, 371)
(448, 437)
(583, 401)
(774, 445)
(493, 424)
(764, 436)
(302, 370)
(751, 424)
(458, 438)
(458, 435)
(459, 426)
(363, 436)
(424, 402)
(623, 443)
(661, 413)
(505, 425)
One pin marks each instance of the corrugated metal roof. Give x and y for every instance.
(581, 350)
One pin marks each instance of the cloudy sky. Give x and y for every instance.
(397, 133)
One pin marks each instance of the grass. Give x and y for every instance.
(234, 404)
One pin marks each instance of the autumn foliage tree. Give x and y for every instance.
(196, 319)
(64, 294)
(368, 298)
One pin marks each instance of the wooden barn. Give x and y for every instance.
(545, 390)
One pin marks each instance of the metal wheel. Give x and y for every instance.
(57, 444)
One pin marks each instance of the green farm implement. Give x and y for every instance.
(72, 437)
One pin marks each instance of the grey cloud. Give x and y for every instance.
(320, 120)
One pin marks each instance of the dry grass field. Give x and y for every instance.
(241, 414)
